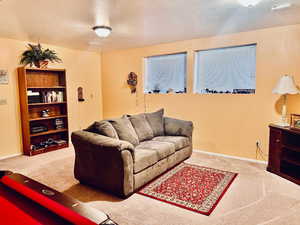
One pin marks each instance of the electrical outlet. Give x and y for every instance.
(3, 101)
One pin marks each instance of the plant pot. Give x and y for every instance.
(44, 64)
(41, 64)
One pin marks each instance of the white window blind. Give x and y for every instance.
(226, 70)
(165, 73)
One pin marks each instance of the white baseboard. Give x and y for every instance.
(10, 156)
(231, 156)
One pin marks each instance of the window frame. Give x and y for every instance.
(196, 67)
(145, 65)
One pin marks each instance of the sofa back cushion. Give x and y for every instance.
(156, 122)
(141, 127)
(125, 130)
(176, 127)
(104, 128)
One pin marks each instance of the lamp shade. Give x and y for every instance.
(286, 85)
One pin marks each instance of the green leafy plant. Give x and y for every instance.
(36, 55)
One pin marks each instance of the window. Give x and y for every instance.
(226, 70)
(165, 73)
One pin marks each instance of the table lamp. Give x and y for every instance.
(285, 86)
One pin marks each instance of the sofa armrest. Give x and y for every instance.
(176, 127)
(103, 162)
(100, 141)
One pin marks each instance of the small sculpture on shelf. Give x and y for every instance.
(156, 88)
(46, 113)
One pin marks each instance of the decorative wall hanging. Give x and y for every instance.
(132, 81)
(80, 94)
(3, 77)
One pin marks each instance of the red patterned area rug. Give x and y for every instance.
(191, 187)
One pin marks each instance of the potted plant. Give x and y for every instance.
(36, 55)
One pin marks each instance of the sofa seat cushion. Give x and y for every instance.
(162, 149)
(178, 141)
(143, 159)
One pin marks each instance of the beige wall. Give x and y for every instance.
(83, 69)
(228, 124)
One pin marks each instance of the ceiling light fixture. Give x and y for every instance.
(249, 3)
(102, 31)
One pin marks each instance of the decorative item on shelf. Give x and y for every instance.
(132, 81)
(60, 96)
(38, 128)
(60, 142)
(156, 88)
(36, 55)
(59, 124)
(48, 143)
(80, 94)
(285, 86)
(45, 113)
(52, 96)
(170, 90)
(295, 121)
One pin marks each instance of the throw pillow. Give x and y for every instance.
(142, 127)
(176, 127)
(104, 128)
(125, 130)
(156, 122)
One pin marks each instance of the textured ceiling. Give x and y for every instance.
(135, 22)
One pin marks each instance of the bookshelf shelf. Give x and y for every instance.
(45, 103)
(47, 118)
(54, 87)
(43, 82)
(48, 132)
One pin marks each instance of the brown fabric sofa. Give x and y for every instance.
(121, 155)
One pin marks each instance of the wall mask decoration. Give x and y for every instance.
(132, 81)
(80, 94)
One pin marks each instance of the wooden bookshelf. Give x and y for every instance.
(43, 81)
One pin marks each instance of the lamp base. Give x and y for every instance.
(282, 124)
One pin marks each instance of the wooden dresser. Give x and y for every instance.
(284, 153)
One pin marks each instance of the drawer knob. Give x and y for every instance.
(277, 140)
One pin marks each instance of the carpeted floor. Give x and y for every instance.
(255, 197)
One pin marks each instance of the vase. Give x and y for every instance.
(41, 64)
